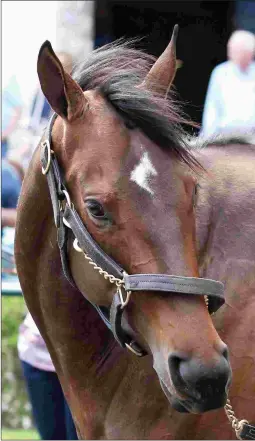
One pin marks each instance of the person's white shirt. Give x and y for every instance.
(230, 100)
(31, 346)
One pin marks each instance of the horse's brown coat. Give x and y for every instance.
(113, 394)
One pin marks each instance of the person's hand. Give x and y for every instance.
(9, 216)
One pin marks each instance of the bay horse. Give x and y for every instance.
(124, 239)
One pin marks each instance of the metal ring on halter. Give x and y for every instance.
(129, 346)
(68, 200)
(46, 169)
(123, 302)
(76, 246)
(66, 223)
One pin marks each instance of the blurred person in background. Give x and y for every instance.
(12, 175)
(11, 112)
(230, 100)
(12, 171)
(50, 410)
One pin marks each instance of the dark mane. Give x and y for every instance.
(116, 70)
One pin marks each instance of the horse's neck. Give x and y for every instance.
(225, 219)
(225, 215)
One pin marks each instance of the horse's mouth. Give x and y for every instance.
(191, 405)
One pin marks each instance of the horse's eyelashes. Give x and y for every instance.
(97, 213)
(95, 208)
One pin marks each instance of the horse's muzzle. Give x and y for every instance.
(203, 387)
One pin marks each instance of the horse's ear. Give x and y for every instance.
(63, 94)
(162, 73)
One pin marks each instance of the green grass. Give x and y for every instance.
(19, 434)
(13, 312)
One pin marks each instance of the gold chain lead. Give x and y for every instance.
(235, 422)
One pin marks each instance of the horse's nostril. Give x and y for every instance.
(175, 363)
(195, 379)
(225, 352)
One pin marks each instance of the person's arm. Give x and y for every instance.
(212, 107)
(10, 191)
(9, 216)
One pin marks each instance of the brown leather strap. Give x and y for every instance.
(89, 245)
(54, 180)
(247, 432)
(119, 328)
(176, 284)
(62, 238)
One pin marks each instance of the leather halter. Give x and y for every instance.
(66, 217)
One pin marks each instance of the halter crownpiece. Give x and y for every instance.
(66, 218)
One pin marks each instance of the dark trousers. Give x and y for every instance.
(4, 148)
(51, 413)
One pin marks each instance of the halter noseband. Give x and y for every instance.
(66, 217)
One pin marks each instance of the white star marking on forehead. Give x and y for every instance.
(143, 172)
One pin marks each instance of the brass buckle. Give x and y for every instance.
(46, 169)
(123, 302)
(68, 200)
(76, 246)
(69, 203)
(66, 223)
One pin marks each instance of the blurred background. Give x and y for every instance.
(76, 28)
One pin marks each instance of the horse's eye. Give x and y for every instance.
(95, 209)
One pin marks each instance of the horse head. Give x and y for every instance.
(132, 180)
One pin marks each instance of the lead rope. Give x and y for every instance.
(236, 424)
